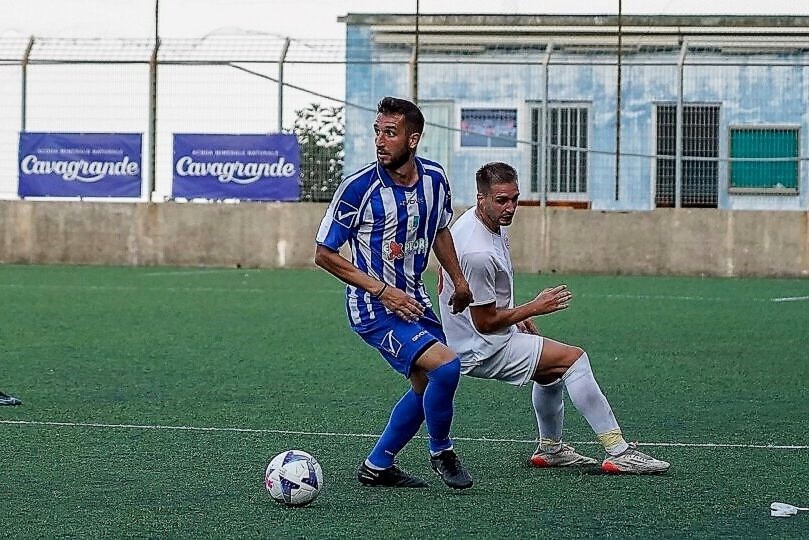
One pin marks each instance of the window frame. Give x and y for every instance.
(690, 159)
(581, 175)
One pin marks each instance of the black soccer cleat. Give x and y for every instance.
(448, 466)
(390, 477)
(5, 399)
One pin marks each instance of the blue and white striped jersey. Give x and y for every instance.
(389, 228)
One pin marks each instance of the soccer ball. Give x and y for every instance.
(294, 478)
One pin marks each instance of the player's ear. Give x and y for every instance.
(413, 140)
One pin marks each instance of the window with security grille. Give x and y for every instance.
(764, 159)
(567, 151)
(700, 156)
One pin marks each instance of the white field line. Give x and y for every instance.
(104, 288)
(336, 289)
(659, 297)
(372, 435)
(341, 290)
(790, 299)
(202, 271)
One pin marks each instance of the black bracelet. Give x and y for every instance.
(379, 294)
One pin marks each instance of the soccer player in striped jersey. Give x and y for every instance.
(392, 212)
(498, 340)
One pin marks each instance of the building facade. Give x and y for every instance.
(707, 111)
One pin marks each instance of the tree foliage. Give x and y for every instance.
(320, 131)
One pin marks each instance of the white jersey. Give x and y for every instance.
(486, 264)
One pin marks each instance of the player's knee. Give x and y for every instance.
(447, 373)
(435, 356)
(572, 354)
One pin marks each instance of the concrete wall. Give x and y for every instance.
(680, 242)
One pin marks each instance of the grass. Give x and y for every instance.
(99, 354)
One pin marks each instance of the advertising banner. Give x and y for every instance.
(80, 165)
(245, 167)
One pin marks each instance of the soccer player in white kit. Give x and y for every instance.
(496, 340)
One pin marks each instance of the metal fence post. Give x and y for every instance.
(678, 129)
(281, 61)
(543, 133)
(618, 107)
(24, 98)
(152, 121)
(414, 81)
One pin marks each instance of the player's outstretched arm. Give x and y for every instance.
(487, 318)
(444, 249)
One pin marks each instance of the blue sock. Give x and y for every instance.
(405, 421)
(438, 398)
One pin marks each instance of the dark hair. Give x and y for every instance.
(414, 120)
(495, 172)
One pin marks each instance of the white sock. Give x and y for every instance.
(549, 408)
(372, 466)
(588, 399)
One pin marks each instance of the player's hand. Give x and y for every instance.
(461, 298)
(401, 304)
(553, 299)
(528, 327)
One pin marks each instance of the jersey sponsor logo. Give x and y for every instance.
(344, 214)
(394, 250)
(411, 200)
(418, 336)
(391, 344)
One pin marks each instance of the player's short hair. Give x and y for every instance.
(414, 120)
(495, 172)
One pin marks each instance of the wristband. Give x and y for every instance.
(379, 294)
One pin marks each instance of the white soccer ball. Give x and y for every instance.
(294, 478)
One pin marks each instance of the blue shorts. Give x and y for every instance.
(401, 342)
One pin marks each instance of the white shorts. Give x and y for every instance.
(514, 364)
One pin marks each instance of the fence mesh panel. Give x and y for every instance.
(260, 84)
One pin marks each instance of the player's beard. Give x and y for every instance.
(396, 162)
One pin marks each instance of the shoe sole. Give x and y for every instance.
(421, 486)
(611, 468)
(372, 483)
(541, 463)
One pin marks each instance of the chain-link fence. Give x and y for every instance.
(672, 120)
(215, 85)
(696, 122)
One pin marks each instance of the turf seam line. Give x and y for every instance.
(374, 436)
